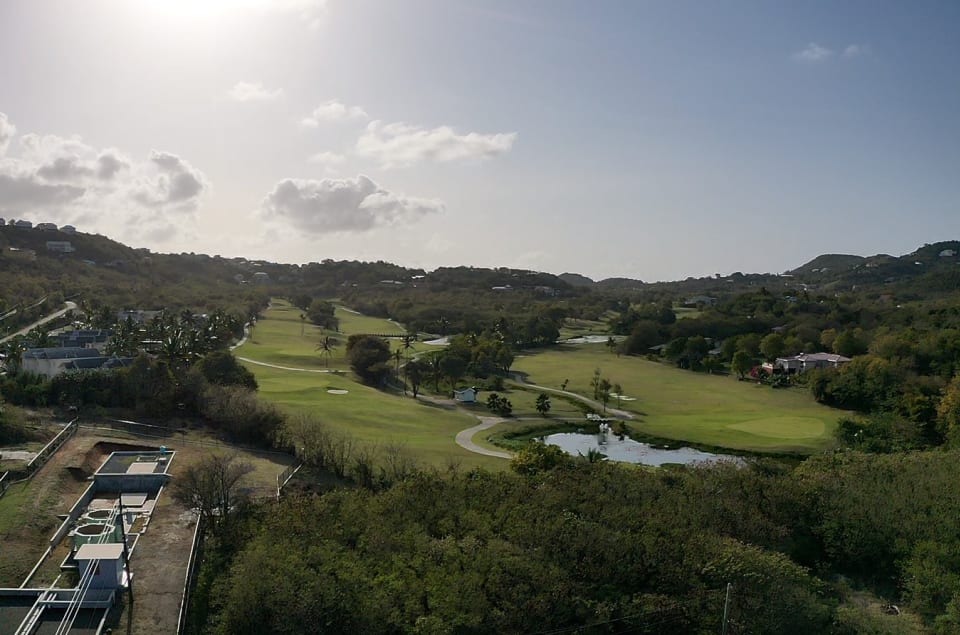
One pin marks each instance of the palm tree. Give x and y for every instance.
(326, 345)
(398, 355)
(619, 390)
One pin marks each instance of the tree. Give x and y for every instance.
(741, 364)
(499, 405)
(595, 383)
(213, 486)
(221, 367)
(603, 390)
(369, 357)
(772, 346)
(948, 412)
(397, 356)
(415, 371)
(612, 345)
(618, 389)
(322, 313)
(453, 365)
(326, 346)
(543, 404)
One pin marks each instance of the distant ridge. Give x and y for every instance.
(576, 280)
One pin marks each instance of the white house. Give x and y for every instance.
(808, 361)
(948, 253)
(50, 362)
(467, 395)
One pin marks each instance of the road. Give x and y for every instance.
(465, 438)
(620, 414)
(67, 306)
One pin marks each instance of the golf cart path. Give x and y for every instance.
(621, 414)
(465, 438)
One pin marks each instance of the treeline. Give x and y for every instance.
(216, 388)
(572, 545)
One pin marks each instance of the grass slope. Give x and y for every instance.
(695, 407)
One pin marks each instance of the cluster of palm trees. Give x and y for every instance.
(180, 339)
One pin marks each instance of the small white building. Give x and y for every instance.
(948, 253)
(467, 395)
(106, 560)
(261, 277)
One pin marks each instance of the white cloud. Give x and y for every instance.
(813, 52)
(64, 180)
(400, 144)
(329, 159)
(253, 91)
(7, 130)
(341, 205)
(333, 110)
(856, 50)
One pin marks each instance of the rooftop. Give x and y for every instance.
(108, 551)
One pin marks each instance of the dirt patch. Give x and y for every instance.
(95, 456)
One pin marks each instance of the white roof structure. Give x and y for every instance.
(108, 551)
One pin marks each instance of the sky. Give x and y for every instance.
(642, 139)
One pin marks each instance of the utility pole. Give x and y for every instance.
(726, 608)
(126, 554)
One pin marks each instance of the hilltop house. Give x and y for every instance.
(61, 246)
(47, 227)
(803, 362)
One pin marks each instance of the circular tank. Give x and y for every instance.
(98, 515)
(97, 533)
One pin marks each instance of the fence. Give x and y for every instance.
(4, 483)
(191, 576)
(49, 449)
(284, 477)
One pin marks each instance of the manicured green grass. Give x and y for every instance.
(371, 415)
(282, 338)
(368, 414)
(573, 327)
(681, 405)
(686, 312)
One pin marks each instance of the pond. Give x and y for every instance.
(626, 450)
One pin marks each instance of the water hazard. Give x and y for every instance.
(626, 450)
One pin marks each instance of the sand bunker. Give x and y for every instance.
(337, 391)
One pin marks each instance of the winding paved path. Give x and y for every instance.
(621, 414)
(465, 438)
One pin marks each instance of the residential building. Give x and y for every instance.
(68, 229)
(807, 361)
(22, 224)
(61, 246)
(47, 227)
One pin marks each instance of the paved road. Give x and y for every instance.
(67, 306)
(465, 438)
(620, 414)
(299, 370)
